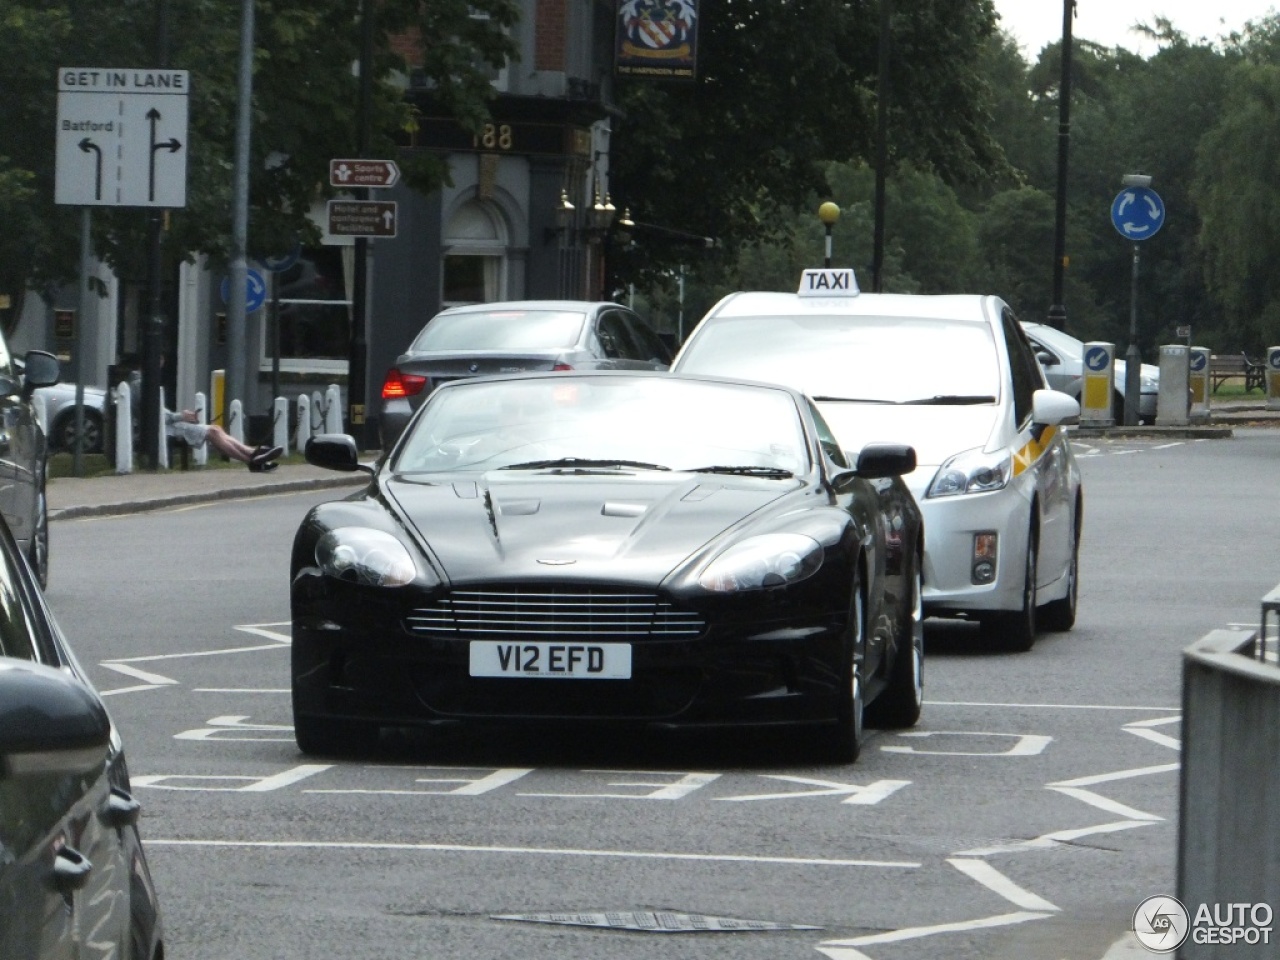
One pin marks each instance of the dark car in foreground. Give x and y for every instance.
(24, 453)
(74, 880)
(610, 548)
(492, 338)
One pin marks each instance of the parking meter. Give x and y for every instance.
(1173, 403)
(1098, 372)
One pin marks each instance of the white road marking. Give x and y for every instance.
(1028, 745)
(1049, 840)
(202, 653)
(150, 678)
(241, 690)
(684, 785)
(218, 726)
(1116, 775)
(1106, 803)
(526, 851)
(137, 689)
(998, 883)
(471, 786)
(841, 949)
(1143, 729)
(263, 630)
(162, 781)
(1049, 706)
(864, 796)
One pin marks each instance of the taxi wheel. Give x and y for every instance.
(1060, 615)
(845, 739)
(1016, 630)
(900, 702)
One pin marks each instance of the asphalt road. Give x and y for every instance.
(1025, 818)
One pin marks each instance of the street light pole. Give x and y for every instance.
(237, 293)
(1058, 310)
(1132, 357)
(828, 213)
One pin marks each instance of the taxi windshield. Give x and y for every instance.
(867, 358)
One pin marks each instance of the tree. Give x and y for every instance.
(305, 103)
(784, 88)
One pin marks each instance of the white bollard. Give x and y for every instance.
(162, 461)
(124, 428)
(236, 427)
(317, 412)
(200, 455)
(280, 424)
(303, 431)
(333, 409)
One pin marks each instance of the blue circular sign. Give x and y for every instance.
(1095, 358)
(1273, 359)
(284, 261)
(1199, 360)
(1137, 213)
(255, 292)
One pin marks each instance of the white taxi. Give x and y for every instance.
(956, 378)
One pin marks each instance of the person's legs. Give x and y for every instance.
(226, 444)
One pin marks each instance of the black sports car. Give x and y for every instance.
(609, 547)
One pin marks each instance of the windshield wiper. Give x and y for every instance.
(772, 473)
(951, 400)
(824, 399)
(571, 462)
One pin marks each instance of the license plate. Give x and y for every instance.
(573, 661)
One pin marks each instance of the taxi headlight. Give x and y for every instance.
(971, 472)
(370, 557)
(769, 560)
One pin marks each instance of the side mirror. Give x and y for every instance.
(49, 722)
(42, 369)
(334, 451)
(1050, 407)
(876, 461)
(1046, 359)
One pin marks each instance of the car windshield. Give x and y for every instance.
(601, 423)
(871, 359)
(500, 330)
(1061, 343)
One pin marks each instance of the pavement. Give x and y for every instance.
(143, 490)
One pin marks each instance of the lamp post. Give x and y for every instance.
(828, 213)
(1132, 357)
(1058, 309)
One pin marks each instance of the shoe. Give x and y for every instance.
(263, 456)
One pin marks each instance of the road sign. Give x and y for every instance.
(255, 292)
(121, 138)
(362, 218)
(363, 173)
(285, 260)
(1137, 212)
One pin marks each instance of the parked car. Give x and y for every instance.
(956, 378)
(24, 457)
(610, 548)
(60, 413)
(488, 338)
(1062, 357)
(74, 880)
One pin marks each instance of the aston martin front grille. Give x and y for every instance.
(600, 613)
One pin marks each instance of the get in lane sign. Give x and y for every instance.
(362, 218)
(122, 137)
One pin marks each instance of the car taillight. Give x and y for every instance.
(562, 366)
(400, 385)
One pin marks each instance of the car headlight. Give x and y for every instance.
(769, 560)
(369, 557)
(972, 472)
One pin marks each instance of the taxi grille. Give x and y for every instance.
(596, 612)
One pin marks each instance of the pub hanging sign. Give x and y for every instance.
(657, 38)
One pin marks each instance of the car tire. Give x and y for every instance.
(900, 702)
(1059, 616)
(1016, 630)
(324, 736)
(844, 740)
(63, 434)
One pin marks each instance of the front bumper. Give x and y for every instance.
(774, 659)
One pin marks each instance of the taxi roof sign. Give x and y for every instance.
(828, 282)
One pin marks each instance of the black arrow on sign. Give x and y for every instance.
(172, 145)
(88, 146)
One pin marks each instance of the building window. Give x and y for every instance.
(314, 309)
(474, 269)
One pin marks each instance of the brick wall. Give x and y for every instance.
(551, 35)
